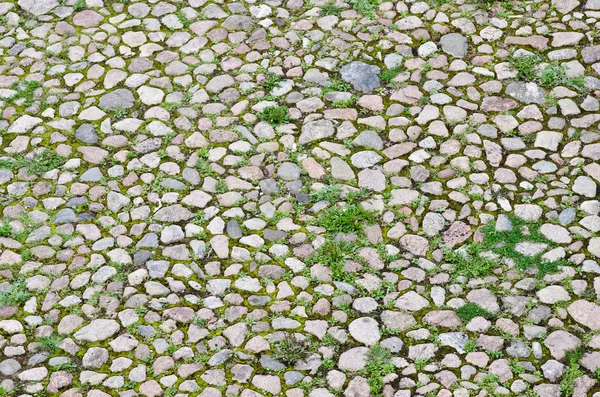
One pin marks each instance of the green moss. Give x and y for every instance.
(471, 310)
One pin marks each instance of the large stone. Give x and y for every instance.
(174, 213)
(120, 98)
(38, 7)
(354, 359)
(454, 44)
(526, 92)
(560, 342)
(585, 313)
(365, 330)
(362, 76)
(566, 6)
(98, 330)
(316, 130)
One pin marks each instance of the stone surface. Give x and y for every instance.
(362, 76)
(299, 198)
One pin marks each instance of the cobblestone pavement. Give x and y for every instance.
(299, 198)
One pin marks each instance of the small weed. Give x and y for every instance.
(5, 230)
(567, 385)
(470, 264)
(271, 81)
(336, 85)
(25, 91)
(365, 7)
(389, 74)
(119, 112)
(525, 65)
(50, 343)
(291, 350)
(275, 115)
(330, 193)
(46, 161)
(349, 219)
(183, 19)
(16, 294)
(334, 255)
(377, 367)
(344, 103)
(79, 5)
(331, 9)
(471, 310)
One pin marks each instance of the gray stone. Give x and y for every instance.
(362, 76)
(120, 98)
(98, 330)
(454, 44)
(38, 7)
(526, 92)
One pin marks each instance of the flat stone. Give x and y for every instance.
(362, 76)
(98, 330)
(454, 44)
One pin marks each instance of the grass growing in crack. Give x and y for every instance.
(291, 350)
(119, 112)
(470, 262)
(44, 162)
(572, 372)
(336, 85)
(471, 310)
(331, 9)
(271, 81)
(16, 294)
(183, 19)
(349, 219)
(555, 75)
(378, 365)
(552, 75)
(25, 91)
(365, 7)
(504, 242)
(525, 65)
(274, 115)
(51, 342)
(489, 383)
(389, 74)
(330, 193)
(334, 255)
(344, 103)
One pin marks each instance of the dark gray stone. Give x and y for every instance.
(86, 133)
(362, 76)
(120, 98)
